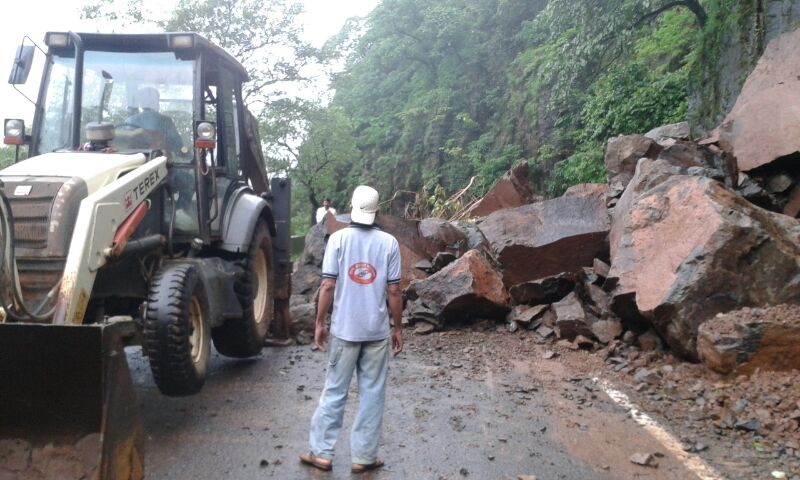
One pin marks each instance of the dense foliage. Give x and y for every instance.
(439, 92)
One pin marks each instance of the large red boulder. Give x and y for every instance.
(470, 287)
(512, 190)
(763, 125)
(684, 248)
(752, 339)
(546, 238)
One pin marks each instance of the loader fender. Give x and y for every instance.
(243, 211)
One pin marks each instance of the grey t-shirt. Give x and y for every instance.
(363, 261)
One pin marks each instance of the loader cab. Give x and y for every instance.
(174, 94)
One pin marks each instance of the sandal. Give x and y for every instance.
(316, 462)
(361, 468)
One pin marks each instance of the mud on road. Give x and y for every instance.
(475, 403)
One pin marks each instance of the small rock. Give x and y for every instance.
(778, 474)
(629, 338)
(264, 463)
(646, 376)
(463, 471)
(644, 459)
(548, 354)
(751, 425)
(583, 342)
(544, 331)
(424, 328)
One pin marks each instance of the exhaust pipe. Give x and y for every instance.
(68, 409)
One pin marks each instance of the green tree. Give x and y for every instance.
(325, 163)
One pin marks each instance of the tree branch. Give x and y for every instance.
(693, 6)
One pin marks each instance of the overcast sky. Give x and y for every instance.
(322, 19)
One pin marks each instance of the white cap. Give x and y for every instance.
(365, 205)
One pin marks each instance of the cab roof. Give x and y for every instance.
(151, 42)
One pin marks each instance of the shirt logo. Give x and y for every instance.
(362, 273)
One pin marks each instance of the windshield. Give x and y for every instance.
(147, 96)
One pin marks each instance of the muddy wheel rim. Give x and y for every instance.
(198, 327)
(260, 285)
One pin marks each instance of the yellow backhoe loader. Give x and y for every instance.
(143, 214)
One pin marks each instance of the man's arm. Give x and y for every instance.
(323, 306)
(395, 298)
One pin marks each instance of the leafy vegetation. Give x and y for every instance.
(439, 92)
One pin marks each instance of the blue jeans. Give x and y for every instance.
(371, 362)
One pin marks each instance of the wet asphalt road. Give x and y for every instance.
(442, 422)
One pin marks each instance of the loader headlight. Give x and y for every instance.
(205, 134)
(56, 39)
(13, 131)
(181, 41)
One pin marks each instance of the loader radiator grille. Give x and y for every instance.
(32, 211)
(38, 276)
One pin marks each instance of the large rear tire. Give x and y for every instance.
(244, 337)
(176, 332)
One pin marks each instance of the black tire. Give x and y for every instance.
(177, 307)
(244, 337)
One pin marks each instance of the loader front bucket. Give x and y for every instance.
(68, 409)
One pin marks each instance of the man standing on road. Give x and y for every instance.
(361, 271)
(324, 209)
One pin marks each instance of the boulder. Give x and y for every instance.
(744, 340)
(512, 190)
(415, 312)
(571, 319)
(439, 235)
(543, 291)
(473, 235)
(546, 238)
(303, 317)
(675, 130)
(622, 155)
(762, 126)
(471, 287)
(526, 315)
(687, 248)
(308, 274)
(599, 190)
(600, 268)
(406, 232)
(704, 160)
(606, 330)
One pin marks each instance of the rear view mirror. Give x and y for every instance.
(22, 65)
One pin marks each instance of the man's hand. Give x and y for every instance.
(321, 337)
(397, 340)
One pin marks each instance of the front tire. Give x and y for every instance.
(244, 337)
(176, 332)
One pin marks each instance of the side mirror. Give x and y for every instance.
(22, 65)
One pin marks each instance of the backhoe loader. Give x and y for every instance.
(142, 215)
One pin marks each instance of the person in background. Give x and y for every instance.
(324, 209)
(361, 277)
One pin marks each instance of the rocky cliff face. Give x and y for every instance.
(736, 35)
